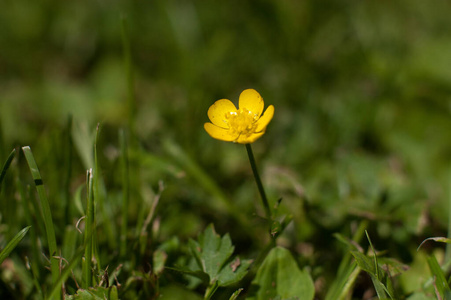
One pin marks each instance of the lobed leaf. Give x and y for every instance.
(213, 257)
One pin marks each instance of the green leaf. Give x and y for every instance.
(348, 242)
(440, 281)
(280, 276)
(436, 239)
(99, 293)
(159, 259)
(13, 243)
(364, 262)
(233, 271)
(196, 273)
(213, 253)
(381, 280)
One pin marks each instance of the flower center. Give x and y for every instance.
(241, 121)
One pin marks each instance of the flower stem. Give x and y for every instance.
(258, 181)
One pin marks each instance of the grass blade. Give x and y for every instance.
(96, 188)
(89, 221)
(67, 152)
(347, 271)
(46, 213)
(35, 262)
(125, 192)
(6, 166)
(13, 243)
(67, 270)
(440, 280)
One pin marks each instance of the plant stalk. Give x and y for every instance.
(259, 182)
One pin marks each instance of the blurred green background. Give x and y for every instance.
(362, 96)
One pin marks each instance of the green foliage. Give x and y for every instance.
(45, 210)
(280, 277)
(12, 244)
(99, 293)
(380, 280)
(360, 140)
(440, 281)
(214, 263)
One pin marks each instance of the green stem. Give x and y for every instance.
(258, 181)
(211, 290)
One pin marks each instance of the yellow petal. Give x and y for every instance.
(219, 133)
(251, 100)
(243, 139)
(219, 109)
(265, 119)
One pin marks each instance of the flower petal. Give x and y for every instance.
(251, 100)
(219, 133)
(218, 110)
(265, 119)
(243, 139)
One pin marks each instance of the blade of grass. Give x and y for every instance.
(376, 264)
(6, 166)
(87, 264)
(99, 196)
(2, 141)
(35, 278)
(97, 199)
(13, 243)
(8, 208)
(45, 210)
(35, 262)
(66, 272)
(125, 193)
(347, 271)
(440, 279)
(67, 151)
(146, 234)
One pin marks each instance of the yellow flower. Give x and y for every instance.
(244, 125)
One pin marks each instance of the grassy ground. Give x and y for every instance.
(358, 150)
